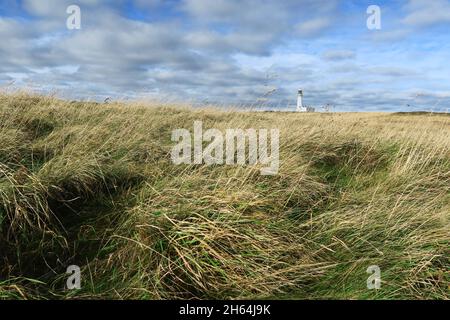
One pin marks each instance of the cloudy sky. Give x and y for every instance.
(233, 51)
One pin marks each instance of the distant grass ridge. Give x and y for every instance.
(93, 185)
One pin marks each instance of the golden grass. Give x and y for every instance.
(93, 185)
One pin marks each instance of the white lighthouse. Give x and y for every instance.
(300, 107)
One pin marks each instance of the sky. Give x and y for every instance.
(232, 52)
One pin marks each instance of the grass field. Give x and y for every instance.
(93, 185)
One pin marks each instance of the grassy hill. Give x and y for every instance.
(93, 185)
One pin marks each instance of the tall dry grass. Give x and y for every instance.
(93, 185)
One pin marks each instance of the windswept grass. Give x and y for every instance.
(93, 185)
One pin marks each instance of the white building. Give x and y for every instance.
(300, 107)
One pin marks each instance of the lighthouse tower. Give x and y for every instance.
(300, 107)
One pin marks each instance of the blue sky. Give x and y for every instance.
(228, 52)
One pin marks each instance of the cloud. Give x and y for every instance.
(56, 8)
(312, 27)
(423, 13)
(220, 51)
(337, 55)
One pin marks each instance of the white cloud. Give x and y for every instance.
(425, 12)
(336, 55)
(312, 27)
(223, 51)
